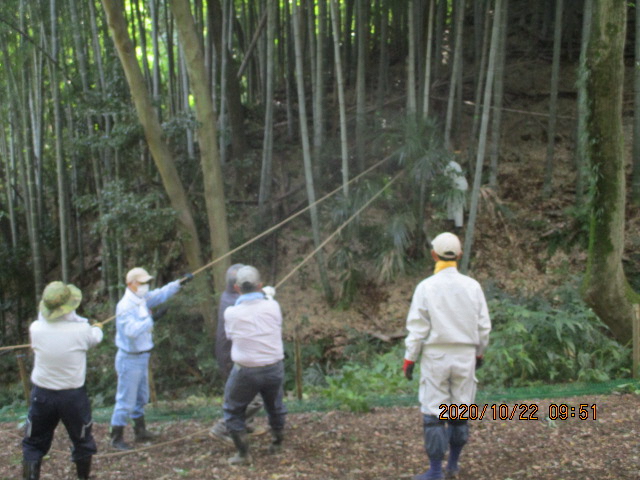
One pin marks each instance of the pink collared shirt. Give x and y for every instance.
(255, 330)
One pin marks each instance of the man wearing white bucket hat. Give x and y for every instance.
(60, 339)
(449, 325)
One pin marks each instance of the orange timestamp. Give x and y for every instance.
(518, 411)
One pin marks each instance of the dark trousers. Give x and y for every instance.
(243, 384)
(48, 408)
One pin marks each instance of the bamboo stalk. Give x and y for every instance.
(636, 342)
(23, 375)
(153, 398)
(298, 362)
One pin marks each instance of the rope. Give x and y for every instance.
(287, 220)
(338, 230)
(283, 280)
(249, 242)
(150, 447)
(15, 347)
(127, 452)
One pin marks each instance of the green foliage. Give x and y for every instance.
(538, 341)
(574, 232)
(137, 218)
(184, 356)
(126, 211)
(533, 342)
(101, 377)
(632, 388)
(378, 251)
(356, 382)
(391, 251)
(16, 293)
(312, 354)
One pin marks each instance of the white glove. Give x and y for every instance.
(269, 292)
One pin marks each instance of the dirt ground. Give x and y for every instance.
(383, 444)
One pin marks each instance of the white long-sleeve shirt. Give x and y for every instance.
(448, 308)
(255, 330)
(60, 348)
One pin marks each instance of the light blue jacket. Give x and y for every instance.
(134, 322)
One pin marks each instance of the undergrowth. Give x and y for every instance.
(533, 342)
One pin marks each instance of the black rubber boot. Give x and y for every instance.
(277, 437)
(141, 432)
(83, 468)
(31, 470)
(242, 456)
(117, 440)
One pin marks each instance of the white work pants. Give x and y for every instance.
(447, 375)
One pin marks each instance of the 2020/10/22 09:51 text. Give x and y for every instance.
(518, 411)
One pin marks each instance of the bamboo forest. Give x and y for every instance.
(328, 144)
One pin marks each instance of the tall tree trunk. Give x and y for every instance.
(207, 138)
(155, 39)
(441, 15)
(411, 60)
(456, 73)
(224, 62)
(481, 76)
(233, 101)
(306, 152)
(18, 86)
(153, 131)
(319, 92)
(482, 142)
(344, 146)
(553, 101)
(361, 82)
(186, 100)
(7, 152)
(581, 148)
(428, 61)
(33, 222)
(83, 68)
(289, 71)
(635, 175)
(479, 9)
(606, 289)
(496, 127)
(61, 170)
(266, 179)
(383, 62)
(348, 36)
(74, 191)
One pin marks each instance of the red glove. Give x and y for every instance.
(407, 368)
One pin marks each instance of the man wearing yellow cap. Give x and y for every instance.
(60, 339)
(134, 339)
(449, 325)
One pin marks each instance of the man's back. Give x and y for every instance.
(60, 351)
(452, 307)
(255, 330)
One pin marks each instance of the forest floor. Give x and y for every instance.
(383, 444)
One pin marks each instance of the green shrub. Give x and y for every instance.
(533, 342)
(355, 383)
(537, 341)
